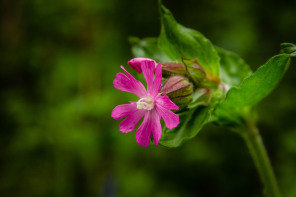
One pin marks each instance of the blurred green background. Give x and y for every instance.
(58, 60)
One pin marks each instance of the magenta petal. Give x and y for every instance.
(129, 124)
(148, 68)
(165, 102)
(133, 116)
(128, 83)
(163, 107)
(136, 63)
(157, 80)
(150, 124)
(156, 128)
(124, 110)
(171, 119)
(143, 134)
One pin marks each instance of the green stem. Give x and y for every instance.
(260, 157)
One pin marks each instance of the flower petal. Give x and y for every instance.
(171, 119)
(124, 110)
(136, 63)
(129, 124)
(148, 68)
(163, 106)
(165, 102)
(151, 124)
(157, 80)
(128, 83)
(143, 134)
(156, 128)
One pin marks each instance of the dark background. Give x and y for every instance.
(58, 60)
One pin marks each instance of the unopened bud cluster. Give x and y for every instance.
(182, 81)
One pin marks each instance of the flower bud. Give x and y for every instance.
(190, 69)
(195, 71)
(178, 89)
(173, 68)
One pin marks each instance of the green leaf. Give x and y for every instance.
(229, 117)
(289, 48)
(179, 42)
(191, 123)
(233, 69)
(148, 47)
(254, 88)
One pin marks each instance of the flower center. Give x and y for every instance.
(145, 103)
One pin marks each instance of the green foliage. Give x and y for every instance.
(289, 48)
(253, 89)
(177, 42)
(259, 84)
(57, 66)
(239, 100)
(148, 47)
(246, 88)
(233, 69)
(191, 122)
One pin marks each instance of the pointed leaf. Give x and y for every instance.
(178, 42)
(254, 88)
(289, 48)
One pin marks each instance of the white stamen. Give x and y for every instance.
(145, 103)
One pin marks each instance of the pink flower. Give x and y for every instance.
(151, 105)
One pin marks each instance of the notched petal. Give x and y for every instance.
(122, 111)
(166, 103)
(128, 83)
(129, 124)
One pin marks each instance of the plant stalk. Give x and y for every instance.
(254, 142)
